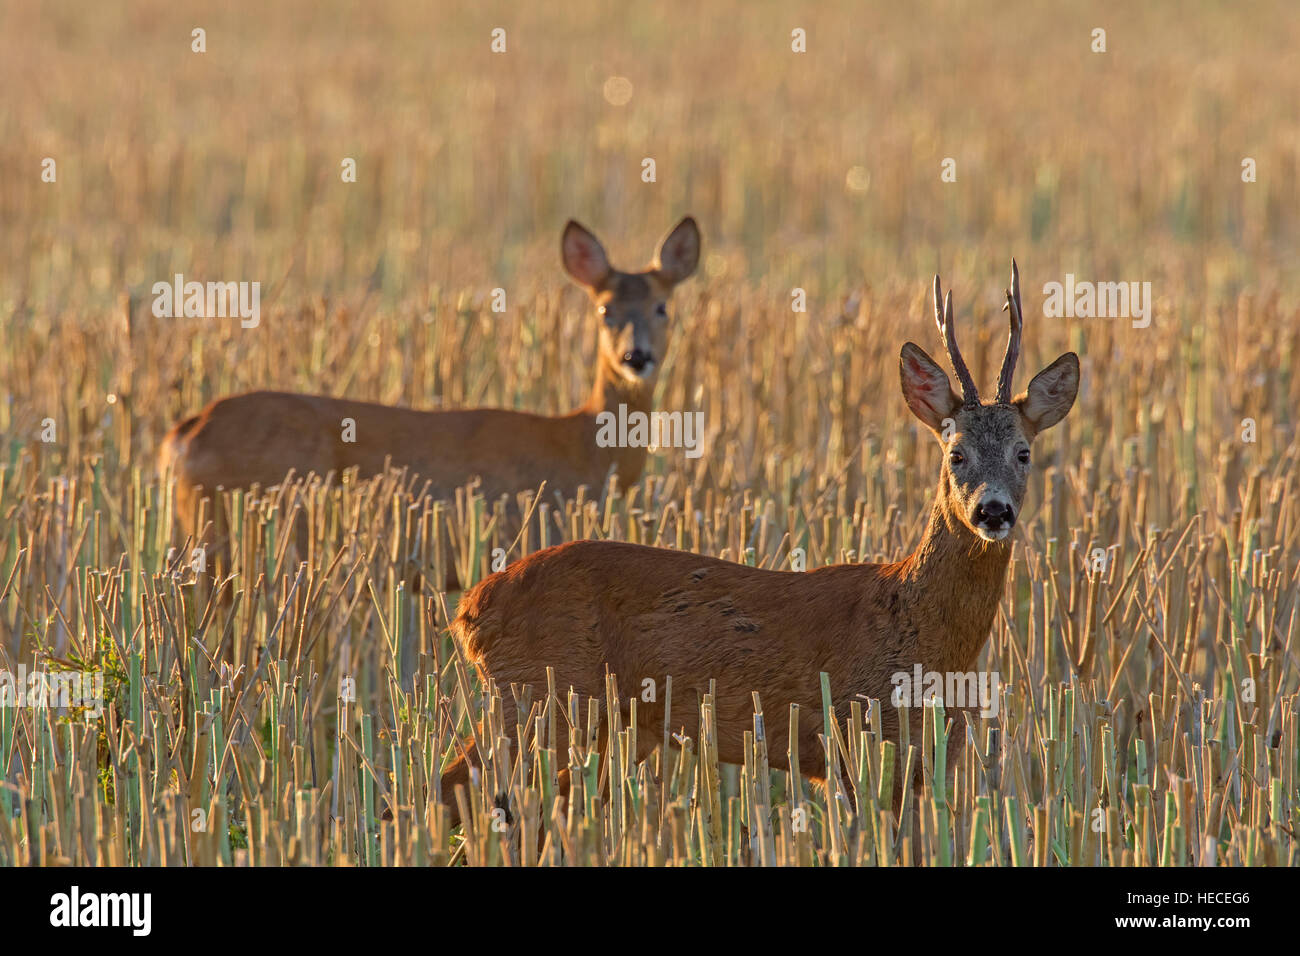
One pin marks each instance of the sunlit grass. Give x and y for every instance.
(1146, 639)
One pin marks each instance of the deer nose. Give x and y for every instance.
(637, 359)
(993, 514)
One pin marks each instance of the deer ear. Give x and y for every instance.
(1050, 394)
(583, 256)
(679, 252)
(926, 388)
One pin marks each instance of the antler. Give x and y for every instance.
(943, 318)
(1013, 340)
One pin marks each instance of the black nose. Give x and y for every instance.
(637, 359)
(994, 514)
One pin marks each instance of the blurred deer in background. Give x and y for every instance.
(258, 437)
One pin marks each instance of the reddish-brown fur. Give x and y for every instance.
(257, 437)
(588, 606)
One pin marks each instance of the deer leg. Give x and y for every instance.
(458, 771)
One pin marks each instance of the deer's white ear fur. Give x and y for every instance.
(926, 388)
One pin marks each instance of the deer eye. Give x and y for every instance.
(661, 309)
(1023, 456)
(955, 458)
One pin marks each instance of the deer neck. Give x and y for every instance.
(955, 580)
(614, 394)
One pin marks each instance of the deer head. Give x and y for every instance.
(986, 444)
(633, 306)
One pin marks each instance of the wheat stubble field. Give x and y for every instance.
(1145, 642)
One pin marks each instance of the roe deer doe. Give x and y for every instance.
(257, 437)
(644, 612)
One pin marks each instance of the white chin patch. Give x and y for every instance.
(992, 535)
(646, 371)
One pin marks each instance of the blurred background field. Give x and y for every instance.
(817, 170)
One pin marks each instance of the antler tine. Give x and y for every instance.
(938, 303)
(1013, 339)
(943, 318)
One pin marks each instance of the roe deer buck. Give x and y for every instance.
(645, 612)
(257, 437)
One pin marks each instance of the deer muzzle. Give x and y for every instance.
(994, 519)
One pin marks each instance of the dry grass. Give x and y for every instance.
(1158, 694)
